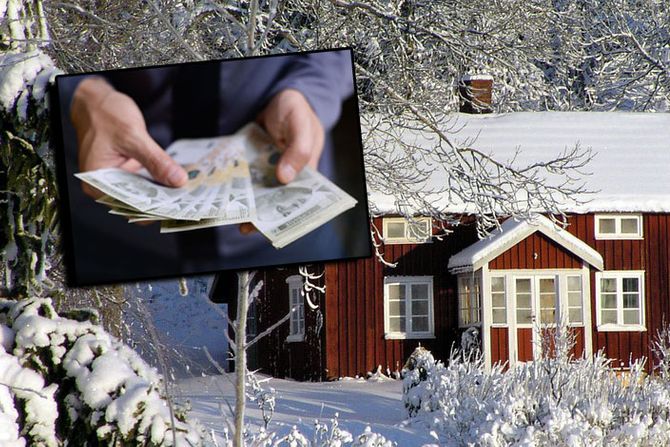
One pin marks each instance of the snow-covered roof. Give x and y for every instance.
(630, 169)
(512, 232)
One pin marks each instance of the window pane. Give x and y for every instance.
(499, 316)
(547, 301)
(420, 324)
(608, 285)
(396, 291)
(397, 324)
(547, 285)
(631, 301)
(575, 299)
(419, 230)
(396, 308)
(575, 315)
(523, 301)
(629, 225)
(465, 316)
(523, 316)
(631, 316)
(608, 316)
(498, 300)
(523, 286)
(608, 301)
(419, 291)
(420, 308)
(607, 226)
(574, 283)
(548, 316)
(630, 284)
(497, 284)
(395, 229)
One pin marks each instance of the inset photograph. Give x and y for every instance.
(208, 166)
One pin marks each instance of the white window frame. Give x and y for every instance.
(475, 285)
(619, 326)
(505, 293)
(568, 307)
(409, 238)
(409, 334)
(617, 227)
(295, 282)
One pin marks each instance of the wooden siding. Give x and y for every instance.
(537, 251)
(524, 341)
(352, 340)
(354, 310)
(297, 360)
(649, 254)
(499, 345)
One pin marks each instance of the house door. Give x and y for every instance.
(536, 300)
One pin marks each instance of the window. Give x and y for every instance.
(398, 230)
(469, 300)
(297, 309)
(575, 312)
(524, 297)
(618, 226)
(498, 304)
(408, 306)
(547, 301)
(620, 301)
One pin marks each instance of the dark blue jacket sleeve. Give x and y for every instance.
(324, 78)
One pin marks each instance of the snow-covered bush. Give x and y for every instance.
(554, 401)
(69, 382)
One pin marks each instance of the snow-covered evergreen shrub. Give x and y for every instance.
(27, 181)
(71, 383)
(554, 401)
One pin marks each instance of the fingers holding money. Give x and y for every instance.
(295, 128)
(111, 132)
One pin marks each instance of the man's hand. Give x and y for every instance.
(296, 130)
(111, 132)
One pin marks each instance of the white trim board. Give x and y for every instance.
(510, 233)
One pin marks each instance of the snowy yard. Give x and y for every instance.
(358, 403)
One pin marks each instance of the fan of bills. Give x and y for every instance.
(231, 181)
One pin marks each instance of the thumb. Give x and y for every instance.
(299, 145)
(159, 164)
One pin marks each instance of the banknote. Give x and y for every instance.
(231, 180)
(219, 185)
(285, 213)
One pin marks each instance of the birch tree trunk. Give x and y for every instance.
(241, 355)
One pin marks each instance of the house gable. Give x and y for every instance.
(536, 251)
(511, 233)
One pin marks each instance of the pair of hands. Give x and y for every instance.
(111, 132)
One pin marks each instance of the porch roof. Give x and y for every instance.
(511, 233)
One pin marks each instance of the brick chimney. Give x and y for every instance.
(475, 92)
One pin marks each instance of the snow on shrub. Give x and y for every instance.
(554, 401)
(70, 382)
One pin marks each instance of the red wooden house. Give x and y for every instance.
(607, 274)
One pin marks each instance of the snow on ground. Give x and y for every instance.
(358, 403)
(185, 325)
